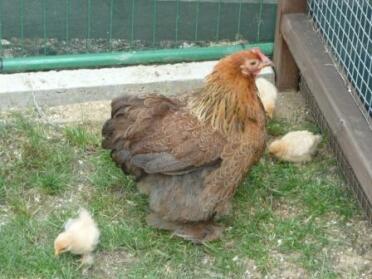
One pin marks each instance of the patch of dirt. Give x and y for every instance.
(111, 264)
(251, 269)
(291, 105)
(39, 205)
(351, 254)
(348, 264)
(96, 111)
(285, 267)
(286, 210)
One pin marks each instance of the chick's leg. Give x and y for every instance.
(86, 260)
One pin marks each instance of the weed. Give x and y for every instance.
(81, 137)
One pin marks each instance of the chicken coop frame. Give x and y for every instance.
(54, 34)
(311, 51)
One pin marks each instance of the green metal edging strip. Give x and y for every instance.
(40, 63)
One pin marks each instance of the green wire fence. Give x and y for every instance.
(65, 27)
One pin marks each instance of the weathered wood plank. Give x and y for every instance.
(286, 69)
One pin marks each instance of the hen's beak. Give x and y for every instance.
(265, 61)
(266, 64)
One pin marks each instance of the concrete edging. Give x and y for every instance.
(54, 88)
(72, 86)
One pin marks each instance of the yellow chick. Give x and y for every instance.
(268, 94)
(80, 237)
(296, 146)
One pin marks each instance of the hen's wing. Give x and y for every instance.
(156, 134)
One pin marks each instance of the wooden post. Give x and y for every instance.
(286, 68)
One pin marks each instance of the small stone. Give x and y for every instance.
(5, 42)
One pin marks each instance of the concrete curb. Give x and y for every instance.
(74, 86)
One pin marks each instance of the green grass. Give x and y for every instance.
(80, 137)
(44, 160)
(49, 171)
(278, 127)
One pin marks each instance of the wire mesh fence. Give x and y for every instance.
(341, 159)
(50, 27)
(346, 27)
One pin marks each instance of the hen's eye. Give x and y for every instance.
(253, 63)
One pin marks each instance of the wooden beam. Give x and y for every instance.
(286, 68)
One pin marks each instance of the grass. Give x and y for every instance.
(282, 219)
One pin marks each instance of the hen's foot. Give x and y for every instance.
(197, 233)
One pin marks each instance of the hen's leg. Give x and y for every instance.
(197, 233)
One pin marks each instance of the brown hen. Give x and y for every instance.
(189, 154)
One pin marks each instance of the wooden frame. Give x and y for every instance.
(349, 132)
(286, 68)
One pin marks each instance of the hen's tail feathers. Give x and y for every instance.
(119, 107)
(197, 233)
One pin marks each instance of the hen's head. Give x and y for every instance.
(229, 99)
(250, 62)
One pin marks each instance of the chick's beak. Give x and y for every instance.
(58, 251)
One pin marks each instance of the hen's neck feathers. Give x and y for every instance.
(228, 101)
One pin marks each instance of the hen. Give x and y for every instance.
(190, 153)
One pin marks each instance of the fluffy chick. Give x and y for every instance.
(80, 237)
(296, 146)
(268, 94)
